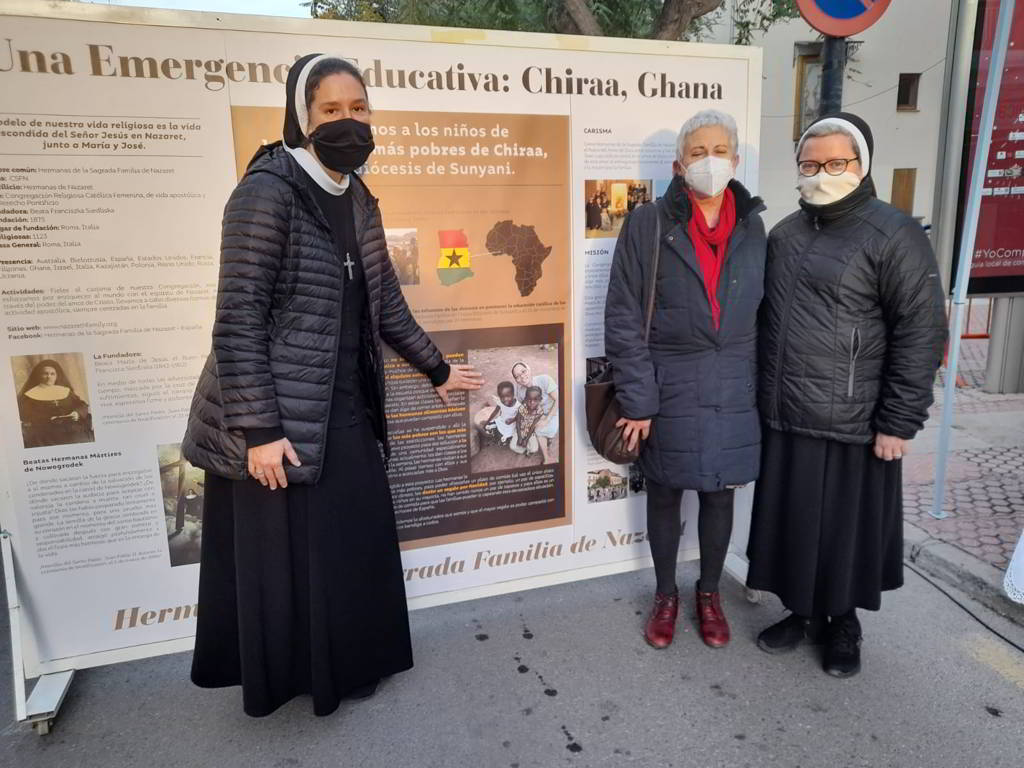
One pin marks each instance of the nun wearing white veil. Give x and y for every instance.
(301, 588)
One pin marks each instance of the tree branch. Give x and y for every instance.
(564, 25)
(676, 16)
(583, 17)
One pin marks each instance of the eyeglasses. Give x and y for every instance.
(832, 167)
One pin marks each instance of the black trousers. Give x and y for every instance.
(664, 527)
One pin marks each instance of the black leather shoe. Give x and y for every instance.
(363, 691)
(789, 633)
(842, 647)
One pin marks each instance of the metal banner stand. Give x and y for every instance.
(963, 270)
(40, 708)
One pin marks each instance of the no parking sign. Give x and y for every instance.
(841, 18)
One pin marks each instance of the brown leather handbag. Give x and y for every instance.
(602, 406)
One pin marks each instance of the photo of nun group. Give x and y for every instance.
(608, 201)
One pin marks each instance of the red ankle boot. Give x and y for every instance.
(714, 629)
(661, 626)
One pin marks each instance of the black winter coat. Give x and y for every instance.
(853, 322)
(278, 318)
(696, 383)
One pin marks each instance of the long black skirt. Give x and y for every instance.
(301, 589)
(826, 533)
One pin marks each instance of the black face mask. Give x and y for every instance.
(343, 145)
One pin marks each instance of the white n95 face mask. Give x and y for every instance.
(709, 175)
(822, 189)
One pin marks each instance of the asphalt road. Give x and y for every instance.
(562, 677)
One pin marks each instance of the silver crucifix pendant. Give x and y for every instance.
(348, 263)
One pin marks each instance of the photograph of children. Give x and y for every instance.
(403, 248)
(53, 399)
(514, 417)
(181, 485)
(607, 201)
(605, 485)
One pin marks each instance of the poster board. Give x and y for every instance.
(997, 267)
(124, 131)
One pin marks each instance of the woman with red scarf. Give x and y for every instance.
(690, 387)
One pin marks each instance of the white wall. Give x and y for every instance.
(910, 37)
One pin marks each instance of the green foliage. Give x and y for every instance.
(617, 18)
(626, 18)
(703, 26)
(534, 16)
(356, 10)
(756, 16)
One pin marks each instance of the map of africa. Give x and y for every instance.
(527, 252)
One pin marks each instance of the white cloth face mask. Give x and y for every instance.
(709, 176)
(822, 189)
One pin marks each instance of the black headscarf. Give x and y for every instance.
(34, 378)
(866, 190)
(296, 111)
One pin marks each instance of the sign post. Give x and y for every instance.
(833, 65)
(837, 20)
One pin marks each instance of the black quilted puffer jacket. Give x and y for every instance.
(853, 323)
(278, 317)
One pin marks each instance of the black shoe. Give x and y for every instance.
(789, 633)
(842, 647)
(363, 691)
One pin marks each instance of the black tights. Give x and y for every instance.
(664, 527)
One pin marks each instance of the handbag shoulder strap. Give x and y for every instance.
(652, 286)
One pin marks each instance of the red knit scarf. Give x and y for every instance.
(711, 246)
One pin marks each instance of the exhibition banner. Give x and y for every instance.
(505, 166)
(998, 263)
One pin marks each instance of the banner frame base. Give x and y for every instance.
(45, 701)
(40, 708)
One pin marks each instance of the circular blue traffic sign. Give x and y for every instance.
(843, 9)
(841, 18)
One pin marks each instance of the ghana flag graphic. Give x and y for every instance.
(453, 263)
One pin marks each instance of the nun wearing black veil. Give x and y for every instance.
(852, 329)
(301, 589)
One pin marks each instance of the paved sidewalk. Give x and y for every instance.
(562, 677)
(985, 476)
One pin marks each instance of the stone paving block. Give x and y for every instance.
(984, 494)
(984, 500)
